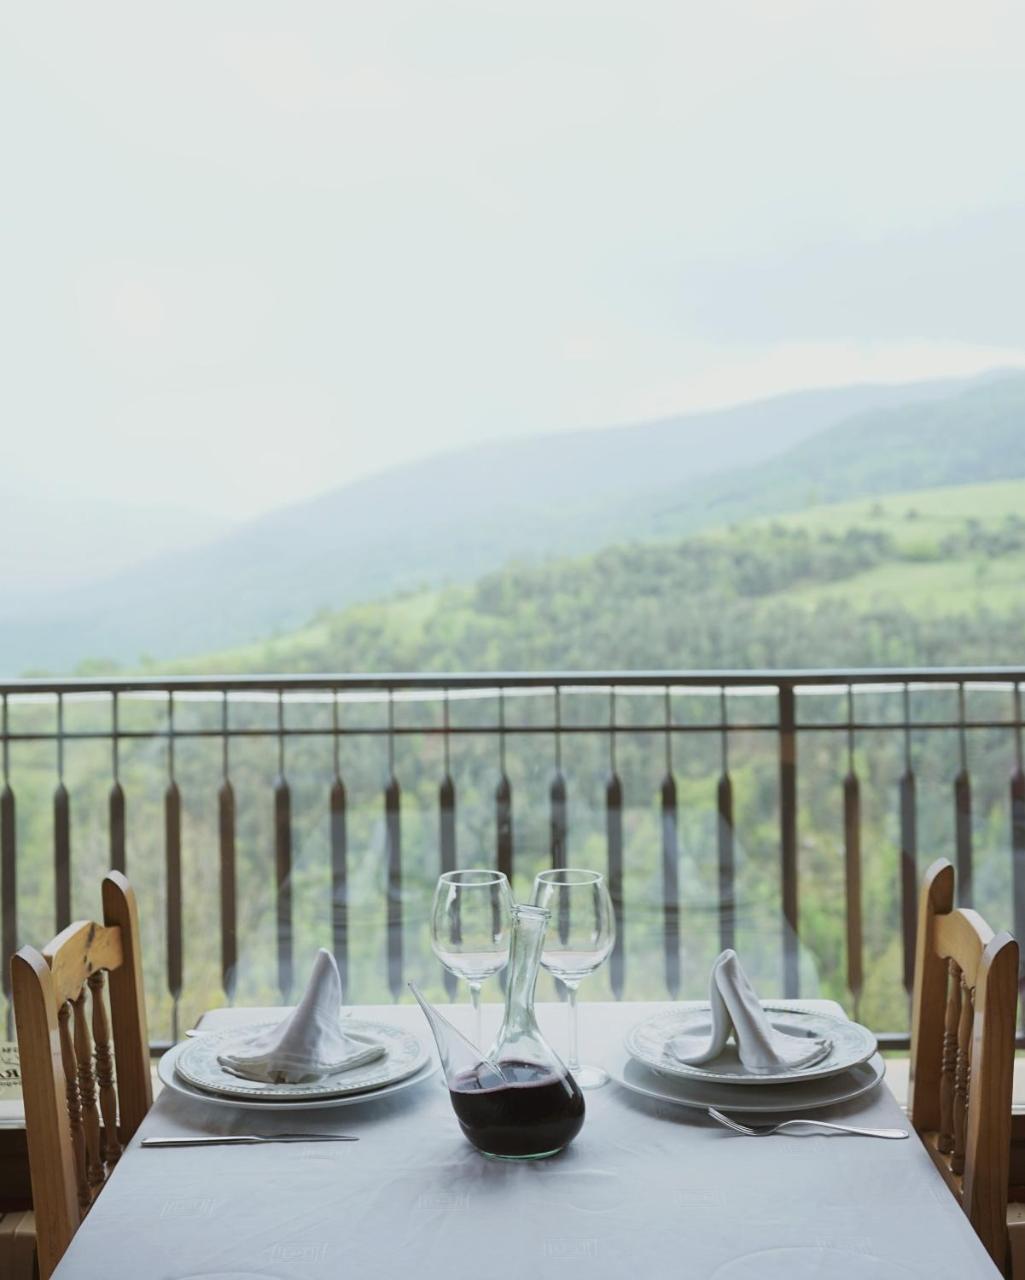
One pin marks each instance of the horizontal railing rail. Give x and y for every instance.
(857, 705)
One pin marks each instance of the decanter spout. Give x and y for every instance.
(458, 1054)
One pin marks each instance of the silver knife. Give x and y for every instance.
(247, 1139)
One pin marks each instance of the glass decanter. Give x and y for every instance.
(518, 1102)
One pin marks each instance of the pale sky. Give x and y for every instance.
(252, 250)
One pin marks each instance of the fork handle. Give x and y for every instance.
(848, 1128)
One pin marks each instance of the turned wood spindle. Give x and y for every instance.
(105, 1068)
(87, 1094)
(964, 1037)
(74, 1103)
(952, 1015)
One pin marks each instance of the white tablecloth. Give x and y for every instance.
(646, 1191)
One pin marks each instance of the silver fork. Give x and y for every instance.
(767, 1130)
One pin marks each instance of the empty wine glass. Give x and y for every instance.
(579, 940)
(470, 928)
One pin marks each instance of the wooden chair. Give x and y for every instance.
(962, 1053)
(66, 1061)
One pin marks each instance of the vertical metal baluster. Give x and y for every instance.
(283, 861)
(117, 795)
(1018, 834)
(503, 802)
(503, 813)
(557, 807)
(61, 831)
(727, 863)
(339, 859)
(908, 852)
(852, 862)
(229, 887)
(447, 830)
(788, 837)
(963, 811)
(393, 838)
(670, 863)
(557, 795)
(614, 844)
(173, 864)
(8, 873)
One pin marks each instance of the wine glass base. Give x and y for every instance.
(590, 1077)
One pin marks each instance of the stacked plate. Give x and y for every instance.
(851, 1067)
(192, 1068)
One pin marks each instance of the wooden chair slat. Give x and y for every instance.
(128, 1008)
(961, 936)
(74, 1104)
(78, 951)
(105, 1078)
(961, 1069)
(87, 1094)
(952, 1017)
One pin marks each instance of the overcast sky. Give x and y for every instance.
(250, 250)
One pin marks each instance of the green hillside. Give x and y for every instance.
(922, 577)
(919, 516)
(450, 518)
(958, 549)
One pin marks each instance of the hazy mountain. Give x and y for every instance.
(457, 515)
(53, 543)
(975, 434)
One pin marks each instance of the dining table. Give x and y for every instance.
(649, 1189)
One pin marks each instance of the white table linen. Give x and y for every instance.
(736, 1011)
(647, 1190)
(310, 1043)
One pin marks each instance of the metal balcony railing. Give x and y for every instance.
(786, 811)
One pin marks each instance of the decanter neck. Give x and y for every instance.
(528, 932)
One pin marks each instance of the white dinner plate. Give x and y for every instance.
(197, 1064)
(850, 1045)
(166, 1070)
(808, 1095)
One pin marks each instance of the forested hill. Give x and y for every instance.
(452, 518)
(921, 578)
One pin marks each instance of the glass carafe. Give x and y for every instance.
(518, 1102)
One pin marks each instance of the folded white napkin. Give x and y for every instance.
(310, 1043)
(736, 1009)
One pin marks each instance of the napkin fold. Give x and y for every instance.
(737, 1010)
(310, 1043)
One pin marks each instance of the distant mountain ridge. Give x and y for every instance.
(456, 516)
(976, 434)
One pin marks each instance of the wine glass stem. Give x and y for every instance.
(574, 1049)
(478, 1025)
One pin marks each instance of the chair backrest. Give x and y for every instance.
(962, 1053)
(78, 1112)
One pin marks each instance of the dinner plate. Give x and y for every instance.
(851, 1044)
(807, 1095)
(167, 1071)
(405, 1054)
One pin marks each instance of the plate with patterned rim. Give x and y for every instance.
(168, 1075)
(197, 1064)
(851, 1044)
(808, 1095)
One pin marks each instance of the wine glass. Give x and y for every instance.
(579, 940)
(471, 924)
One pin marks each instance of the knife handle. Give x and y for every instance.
(227, 1140)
